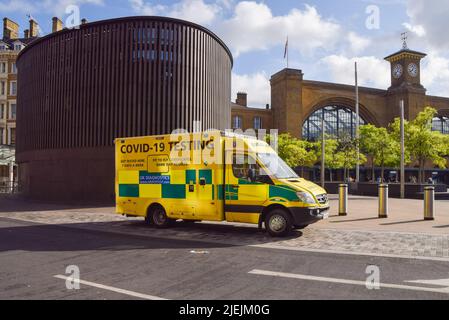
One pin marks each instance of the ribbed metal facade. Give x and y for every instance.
(79, 89)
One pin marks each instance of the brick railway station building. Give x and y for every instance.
(297, 105)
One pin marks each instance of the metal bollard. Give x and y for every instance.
(383, 200)
(429, 199)
(342, 199)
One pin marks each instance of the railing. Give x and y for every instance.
(9, 187)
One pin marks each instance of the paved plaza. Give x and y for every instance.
(404, 233)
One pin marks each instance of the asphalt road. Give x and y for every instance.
(117, 266)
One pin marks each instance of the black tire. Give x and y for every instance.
(149, 219)
(278, 223)
(301, 227)
(159, 217)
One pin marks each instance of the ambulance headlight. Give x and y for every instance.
(305, 197)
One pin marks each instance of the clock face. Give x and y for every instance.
(397, 71)
(412, 69)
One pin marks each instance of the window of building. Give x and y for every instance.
(2, 47)
(18, 47)
(441, 124)
(2, 88)
(237, 122)
(257, 123)
(14, 68)
(12, 136)
(2, 132)
(2, 111)
(338, 120)
(13, 107)
(13, 91)
(3, 67)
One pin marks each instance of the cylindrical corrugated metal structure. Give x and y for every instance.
(79, 89)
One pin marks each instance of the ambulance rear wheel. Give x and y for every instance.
(278, 223)
(159, 218)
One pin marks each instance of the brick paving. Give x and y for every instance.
(358, 233)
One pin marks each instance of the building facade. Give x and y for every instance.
(298, 105)
(82, 88)
(10, 46)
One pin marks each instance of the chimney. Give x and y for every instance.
(242, 99)
(83, 21)
(26, 33)
(34, 28)
(10, 29)
(56, 24)
(267, 106)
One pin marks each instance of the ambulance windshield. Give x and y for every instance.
(277, 166)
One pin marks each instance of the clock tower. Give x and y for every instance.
(406, 81)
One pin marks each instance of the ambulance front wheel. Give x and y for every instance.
(159, 217)
(278, 223)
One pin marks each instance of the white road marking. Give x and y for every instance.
(118, 290)
(350, 253)
(437, 282)
(345, 281)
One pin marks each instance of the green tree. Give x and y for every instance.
(348, 149)
(333, 158)
(381, 146)
(295, 152)
(423, 144)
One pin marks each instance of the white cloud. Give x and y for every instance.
(372, 72)
(430, 17)
(357, 43)
(256, 85)
(253, 27)
(192, 10)
(418, 30)
(435, 74)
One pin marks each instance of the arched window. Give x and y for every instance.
(441, 124)
(337, 121)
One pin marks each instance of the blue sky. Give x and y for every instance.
(325, 36)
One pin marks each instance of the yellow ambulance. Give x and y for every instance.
(213, 176)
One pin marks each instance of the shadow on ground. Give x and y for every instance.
(10, 203)
(126, 235)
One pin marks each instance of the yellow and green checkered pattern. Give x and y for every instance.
(175, 185)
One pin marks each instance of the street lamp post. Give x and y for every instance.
(401, 106)
(357, 168)
(323, 148)
(11, 176)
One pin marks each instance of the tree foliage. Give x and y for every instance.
(333, 158)
(381, 146)
(348, 148)
(421, 143)
(296, 152)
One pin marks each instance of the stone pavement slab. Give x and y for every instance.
(358, 233)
